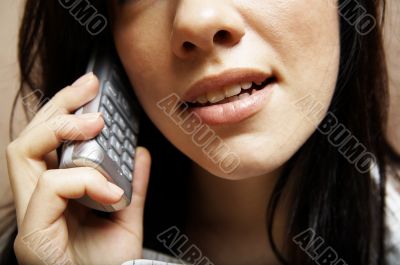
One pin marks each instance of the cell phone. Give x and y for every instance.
(112, 152)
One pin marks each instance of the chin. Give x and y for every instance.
(248, 167)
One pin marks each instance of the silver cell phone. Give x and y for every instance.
(112, 152)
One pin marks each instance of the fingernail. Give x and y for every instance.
(83, 80)
(138, 152)
(90, 116)
(117, 191)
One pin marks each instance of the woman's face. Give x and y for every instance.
(208, 50)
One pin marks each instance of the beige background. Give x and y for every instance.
(9, 19)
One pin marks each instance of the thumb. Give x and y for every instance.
(133, 214)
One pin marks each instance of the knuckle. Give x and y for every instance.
(57, 122)
(46, 180)
(52, 108)
(91, 175)
(59, 96)
(64, 126)
(57, 125)
(19, 245)
(12, 149)
(61, 99)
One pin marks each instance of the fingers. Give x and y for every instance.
(52, 122)
(25, 154)
(47, 136)
(141, 175)
(67, 100)
(51, 125)
(56, 187)
(133, 214)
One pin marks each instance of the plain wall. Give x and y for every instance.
(10, 15)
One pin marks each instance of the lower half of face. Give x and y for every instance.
(283, 55)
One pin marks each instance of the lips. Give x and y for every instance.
(218, 99)
(212, 85)
(236, 111)
(230, 93)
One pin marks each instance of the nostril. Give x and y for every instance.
(188, 46)
(221, 36)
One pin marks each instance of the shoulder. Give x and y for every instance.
(393, 215)
(151, 257)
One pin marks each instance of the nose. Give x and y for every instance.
(200, 25)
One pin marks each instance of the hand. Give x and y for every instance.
(52, 229)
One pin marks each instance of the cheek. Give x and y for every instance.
(143, 47)
(304, 34)
(305, 45)
(305, 40)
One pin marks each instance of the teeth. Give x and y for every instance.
(232, 91)
(244, 95)
(202, 100)
(246, 86)
(215, 96)
(227, 92)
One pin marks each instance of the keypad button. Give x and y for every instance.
(128, 146)
(130, 135)
(116, 145)
(108, 104)
(102, 141)
(117, 132)
(106, 116)
(118, 119)
(114, 156)
(111, 91)
(127, 159)
(127, 172)
(125, 106)
(106, 132)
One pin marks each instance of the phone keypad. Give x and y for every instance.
(106, 132)
(105, 101)
(118, 137)
(106, 115)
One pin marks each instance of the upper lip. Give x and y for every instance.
(226, 78)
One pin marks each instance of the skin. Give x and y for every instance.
(299, 44)
(264, 35)
(392, 46)
(45, 216)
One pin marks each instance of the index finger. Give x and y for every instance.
(67, 100)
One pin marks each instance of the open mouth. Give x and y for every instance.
(231, 94)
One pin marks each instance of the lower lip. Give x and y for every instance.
(234, 112)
